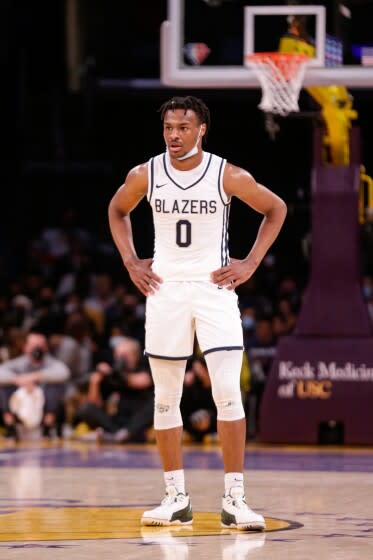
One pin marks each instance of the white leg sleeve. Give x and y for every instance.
(225, 372)
(168, 377)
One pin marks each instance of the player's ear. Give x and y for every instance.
(203, 129)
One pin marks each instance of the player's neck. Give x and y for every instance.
(189, 163)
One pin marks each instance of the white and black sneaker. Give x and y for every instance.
(237, 514)
(175, 509)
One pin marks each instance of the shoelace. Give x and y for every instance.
(239, 503)
(171, 499)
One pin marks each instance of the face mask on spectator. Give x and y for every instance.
(114, 340)
(248, 322)
(37, 353)
(120, 364)
(367, 291)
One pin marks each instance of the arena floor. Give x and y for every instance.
(84, 501)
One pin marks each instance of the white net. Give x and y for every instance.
(281, 77)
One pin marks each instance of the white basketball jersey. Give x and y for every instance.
(190, 213)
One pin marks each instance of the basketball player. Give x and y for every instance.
(189, 284)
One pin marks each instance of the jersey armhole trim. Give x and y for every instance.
(224, 198)
(150, 179)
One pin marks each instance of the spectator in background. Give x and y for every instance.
(54, 242)
(288, 290)
(72, 303)
(12, 343)
(128, 384)
(197, 406)
(73, 272)
(19, 313)
(127, 313)
(279, 326)
(48, 313)
(34, 380)
(289, 316)
(261, 350)
(75, 345)
(248, 323)
(99, 300)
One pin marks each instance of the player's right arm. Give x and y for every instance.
(121, 205)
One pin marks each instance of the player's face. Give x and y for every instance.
(181, 130)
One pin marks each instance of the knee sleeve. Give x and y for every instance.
(225, 372)
(168, 377)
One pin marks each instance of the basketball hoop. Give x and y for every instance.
(281, 77)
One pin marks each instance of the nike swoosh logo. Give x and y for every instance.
(159, 186)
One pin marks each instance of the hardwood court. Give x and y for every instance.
(85, 501)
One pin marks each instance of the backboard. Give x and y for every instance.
(224, 31)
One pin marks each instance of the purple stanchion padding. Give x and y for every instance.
(325, 371)
(333, 304)
(315, 380)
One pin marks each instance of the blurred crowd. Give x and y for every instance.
(72, 340)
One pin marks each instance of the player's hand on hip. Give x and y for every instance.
(233, 274)
(143, 277)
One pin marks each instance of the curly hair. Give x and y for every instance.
(186, 103)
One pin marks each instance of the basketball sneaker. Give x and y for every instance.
(175, 509)
(237, 514)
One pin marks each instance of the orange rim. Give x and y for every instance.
(287, 63)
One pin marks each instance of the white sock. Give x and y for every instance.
(175, 478)
(233, 480)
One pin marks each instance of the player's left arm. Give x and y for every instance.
(238, 182)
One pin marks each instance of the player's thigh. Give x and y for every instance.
(169, 330)
(217, 318)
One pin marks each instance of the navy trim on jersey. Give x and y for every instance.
(151, 178)
(226, 239)
(224, 254)
(220, 184)
(190, 186)
(168, 357)
(222, 348)
(222, 238)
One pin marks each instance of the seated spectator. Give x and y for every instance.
(99, 300)
(12, 343)
(74, 346)
(117, 399)
(248, 323)
(289, 314)
(19, 313)
(261, 350)
(48, 314)
(127, 313)
(197, 406)
(279, 326)
(74, 271)
(33, 380)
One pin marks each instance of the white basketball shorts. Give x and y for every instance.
(178, 310)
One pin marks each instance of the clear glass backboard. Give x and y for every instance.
(204, 42)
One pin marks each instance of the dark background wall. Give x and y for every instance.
(69, 148)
